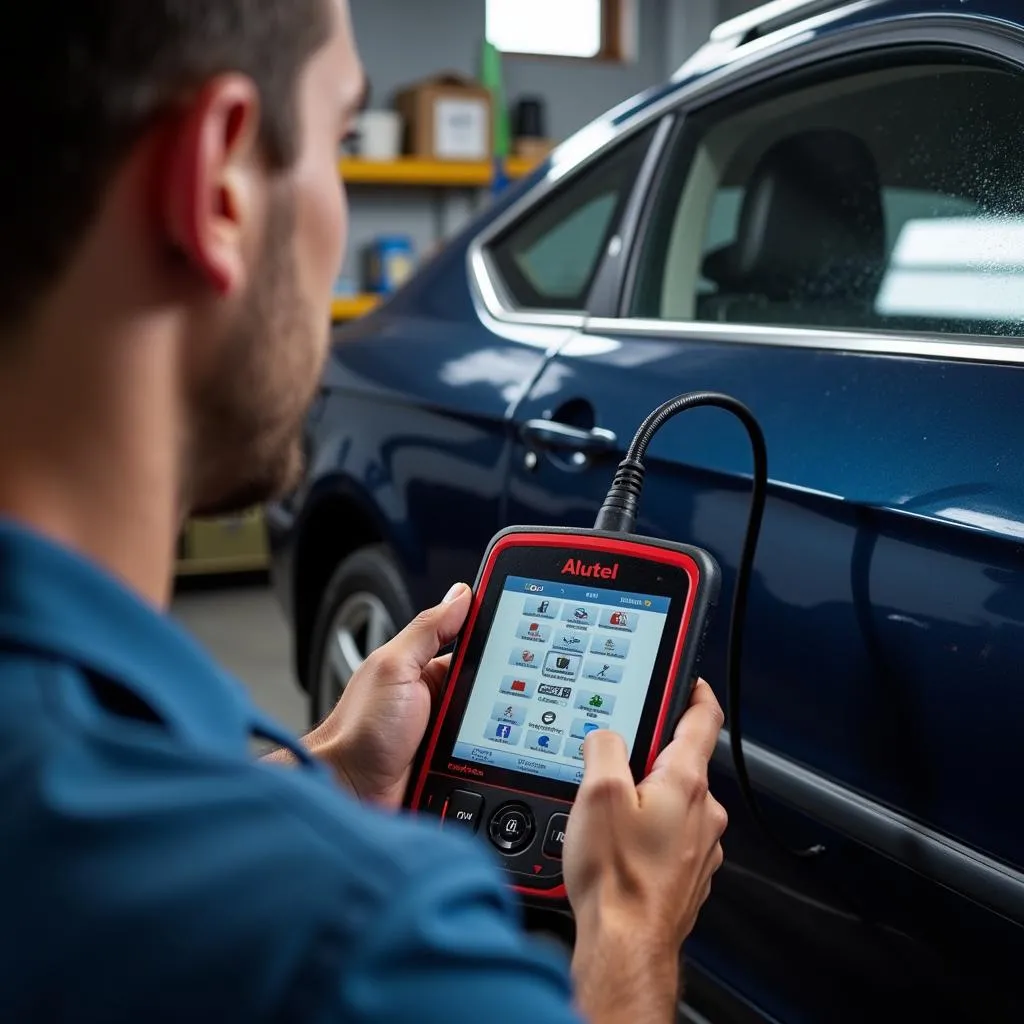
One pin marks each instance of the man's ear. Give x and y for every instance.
(210, 181)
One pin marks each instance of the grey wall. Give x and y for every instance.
(686, 26)
(730, 8)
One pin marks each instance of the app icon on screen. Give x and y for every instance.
(603, 670)
(562, 666)
(509, 712)
(610, 646)
(517, 686)
(503, 731)
(579, 616)
(596, 703)
(570, 641)
(620, 619)
(540, 608)
(534, 630)
(548, 690)
(581, 728)
(548, 718)
(542, 742)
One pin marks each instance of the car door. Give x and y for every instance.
(842, 248)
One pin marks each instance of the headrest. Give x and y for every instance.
(811, 225)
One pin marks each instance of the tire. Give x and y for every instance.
(365, 603)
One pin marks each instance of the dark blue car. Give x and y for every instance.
(822, 215)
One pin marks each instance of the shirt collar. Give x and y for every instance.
(55, 602)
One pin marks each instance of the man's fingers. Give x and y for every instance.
(434, 676)
(696, 736)
(432, 629)
(699, 728)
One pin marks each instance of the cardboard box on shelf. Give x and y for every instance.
(448, 117)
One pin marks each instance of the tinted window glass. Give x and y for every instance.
(888, 201)
(549, 259)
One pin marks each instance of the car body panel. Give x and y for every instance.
(851, 666)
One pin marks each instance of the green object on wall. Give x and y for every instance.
(491, 79)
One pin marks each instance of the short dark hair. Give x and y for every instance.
(84, 80)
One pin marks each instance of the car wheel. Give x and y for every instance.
(365, 604)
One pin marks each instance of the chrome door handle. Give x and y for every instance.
(552, 435)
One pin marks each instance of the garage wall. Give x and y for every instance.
(686, 27)
(448, 34)
(402, 41)
(731, 8)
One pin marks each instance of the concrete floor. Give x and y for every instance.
(242, 626)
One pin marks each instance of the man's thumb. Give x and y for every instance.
(605, 756)
(436, 627)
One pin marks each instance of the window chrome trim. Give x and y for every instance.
(915, 846)
(613, 268)
(784, 11)
(743, 68)
(952, 348)
(490, 294)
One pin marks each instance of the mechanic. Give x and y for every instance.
(174, 228)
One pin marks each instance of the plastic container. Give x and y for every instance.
(345, 286)
(380, 135)
(390, 262)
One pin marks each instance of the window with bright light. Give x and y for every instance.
(558, 28)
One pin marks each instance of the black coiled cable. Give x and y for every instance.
(619, 514)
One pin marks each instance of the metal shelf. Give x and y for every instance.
(227, 545)
(351, 308)
(412, 171)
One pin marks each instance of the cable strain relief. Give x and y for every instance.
(619, 512)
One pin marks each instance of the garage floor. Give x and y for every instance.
(241, 624)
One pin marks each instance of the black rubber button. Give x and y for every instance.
(464, 809)
(554, 838)
(511, 828)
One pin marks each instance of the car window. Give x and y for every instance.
(548, 260)
(890, 200)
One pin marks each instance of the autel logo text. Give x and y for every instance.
(591, 570)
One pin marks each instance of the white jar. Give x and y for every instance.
(380, 135)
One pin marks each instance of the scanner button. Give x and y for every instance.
(464, 809)
(554, 838)
(511, 828)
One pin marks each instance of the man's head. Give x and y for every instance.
(178, 181)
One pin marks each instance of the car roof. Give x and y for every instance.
(807, 19)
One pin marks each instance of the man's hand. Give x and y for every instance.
(371, 737)
(638, 867)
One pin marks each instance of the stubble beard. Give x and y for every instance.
(246, 447)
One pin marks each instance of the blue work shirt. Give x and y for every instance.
(152, 870)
